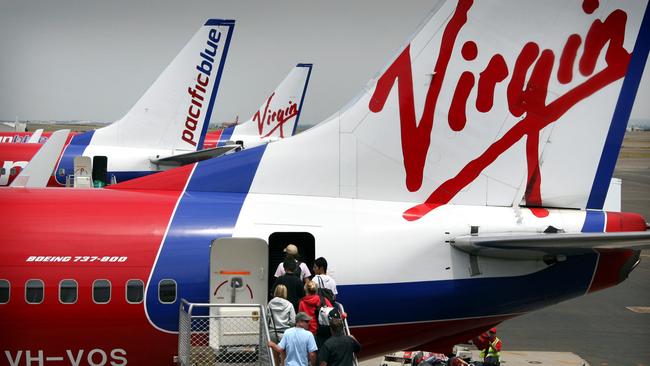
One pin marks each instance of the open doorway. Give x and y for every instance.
(305, 242)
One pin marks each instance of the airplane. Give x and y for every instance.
(282, 105)
(153, 136)
(171, 118)
(464, 186)
(23, 137)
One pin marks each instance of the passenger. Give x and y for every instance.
(490, 347)
(310, 304)
(282, 316)
(297, 344)
(292, 253)
(322, 279)
(339, 349)
(295, 290)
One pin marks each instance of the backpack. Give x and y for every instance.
(322, 313)
(325, 292)
(298, 271)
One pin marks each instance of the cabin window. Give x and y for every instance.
(68, 291)
(134, 291)
(101, 291)
(4, 291)
(167, 291)
(34, 291)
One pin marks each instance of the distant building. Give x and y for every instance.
(230, 124)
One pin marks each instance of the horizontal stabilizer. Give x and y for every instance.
(196, 156)
(536, 246)
(39, 170)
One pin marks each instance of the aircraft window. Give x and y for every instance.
(34, 291)
(134, 291)
(68, 291)
(4, 291)
(167, 291)
(101, 291)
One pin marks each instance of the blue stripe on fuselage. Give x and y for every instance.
(466, 298)
(208, 210)
(211, 205)
(75, 148)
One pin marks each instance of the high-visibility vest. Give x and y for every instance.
(491, 350)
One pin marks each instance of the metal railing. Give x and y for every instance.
(223, 334)
(346, 329)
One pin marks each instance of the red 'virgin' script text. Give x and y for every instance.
(279, 117)
(525, 97)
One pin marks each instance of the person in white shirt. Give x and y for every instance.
(292, 252)
(322, 279)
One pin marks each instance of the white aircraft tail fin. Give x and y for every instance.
(39, 169)
(279, 114)
(500, 104)
(175, 111)
(35, 137)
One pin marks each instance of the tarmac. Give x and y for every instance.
(519, 358)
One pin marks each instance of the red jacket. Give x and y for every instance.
(308, 305)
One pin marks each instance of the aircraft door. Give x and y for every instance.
(238, 275)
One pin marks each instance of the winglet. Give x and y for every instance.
(39, 170)
(35, 137)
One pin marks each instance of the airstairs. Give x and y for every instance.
(226, 335)
(223, 334)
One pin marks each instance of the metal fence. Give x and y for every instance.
(346, 329)
(223, 334)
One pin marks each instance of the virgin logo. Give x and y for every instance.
(527, 98)
(269, 121)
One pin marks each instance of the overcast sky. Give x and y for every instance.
(91, 60)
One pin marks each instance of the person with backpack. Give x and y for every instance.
(326, 284)
(312, 304)
(295, 289)
(339, 349)
(302, 271)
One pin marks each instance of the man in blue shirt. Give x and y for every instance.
(298, 343)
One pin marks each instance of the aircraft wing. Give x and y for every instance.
(37, 173)
(538, 245)
(195, 156)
